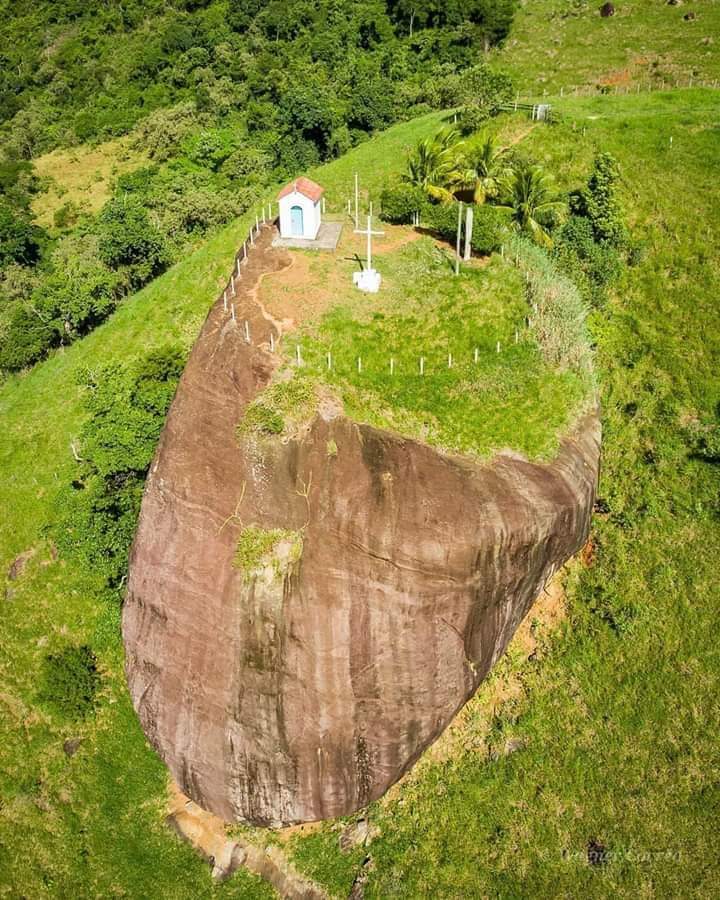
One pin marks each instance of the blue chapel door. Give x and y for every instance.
(296, 221)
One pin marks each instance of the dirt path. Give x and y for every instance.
(206, 834)
(314, 280)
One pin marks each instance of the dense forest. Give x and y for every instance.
(224, 98)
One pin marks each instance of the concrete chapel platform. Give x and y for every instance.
(327, 239)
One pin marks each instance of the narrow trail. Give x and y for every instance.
(206, 834)
(281, 325)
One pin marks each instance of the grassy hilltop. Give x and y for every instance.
(613, 713)
(617, 714)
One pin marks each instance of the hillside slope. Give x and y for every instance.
(93, 822)
(601, 745)
(617, 714)
(558, 44)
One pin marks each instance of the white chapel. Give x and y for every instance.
(300, 209)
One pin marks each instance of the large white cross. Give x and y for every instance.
(369, 232)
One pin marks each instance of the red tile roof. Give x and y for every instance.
(303, 186)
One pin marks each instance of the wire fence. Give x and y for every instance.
(326, 358)
(390, 365)
(643, 86)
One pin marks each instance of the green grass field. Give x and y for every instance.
(561, 44)
(469, 397)
(619, 715)
(619, 712)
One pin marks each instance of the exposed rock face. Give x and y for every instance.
(305, 692)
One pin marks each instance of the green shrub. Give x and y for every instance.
(599, 204)
(472, 119)
(256, 546)
(399, 203)
(20, 240)
(490, 229)
(484, 92)
(261, 419)
(591, 265)
(27, 337)
(97, 514)
(278, 407)
(489, 225)
(594, 243)
(66, 216)
(441, 218)
(128, 240)
(162, 133)
(69, 681)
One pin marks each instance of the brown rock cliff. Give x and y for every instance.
(304, 692)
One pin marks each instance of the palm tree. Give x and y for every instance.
(531, 199)
(432, 165)
(485, 168)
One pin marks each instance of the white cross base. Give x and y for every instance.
(367, 280)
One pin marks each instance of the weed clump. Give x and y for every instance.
(257, 547)
(69, 682)
(261, 419)
(278, 408)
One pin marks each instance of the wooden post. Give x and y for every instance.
(272, 342)
(298, 358)
(449, 360)
(468, 232)
(369, 246)
(247, 332)
(225, 300)
(392, 366)
(232, 311)
(359, 365)
(323, 205)
(357, 188)
(257, 223)
(422, 365)
(475, 355)
(329, 360)
(457, 240)
(244, 249)
(238, 266)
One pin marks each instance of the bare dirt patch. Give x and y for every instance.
(82, 176)
(302, 291)
(315, 280)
